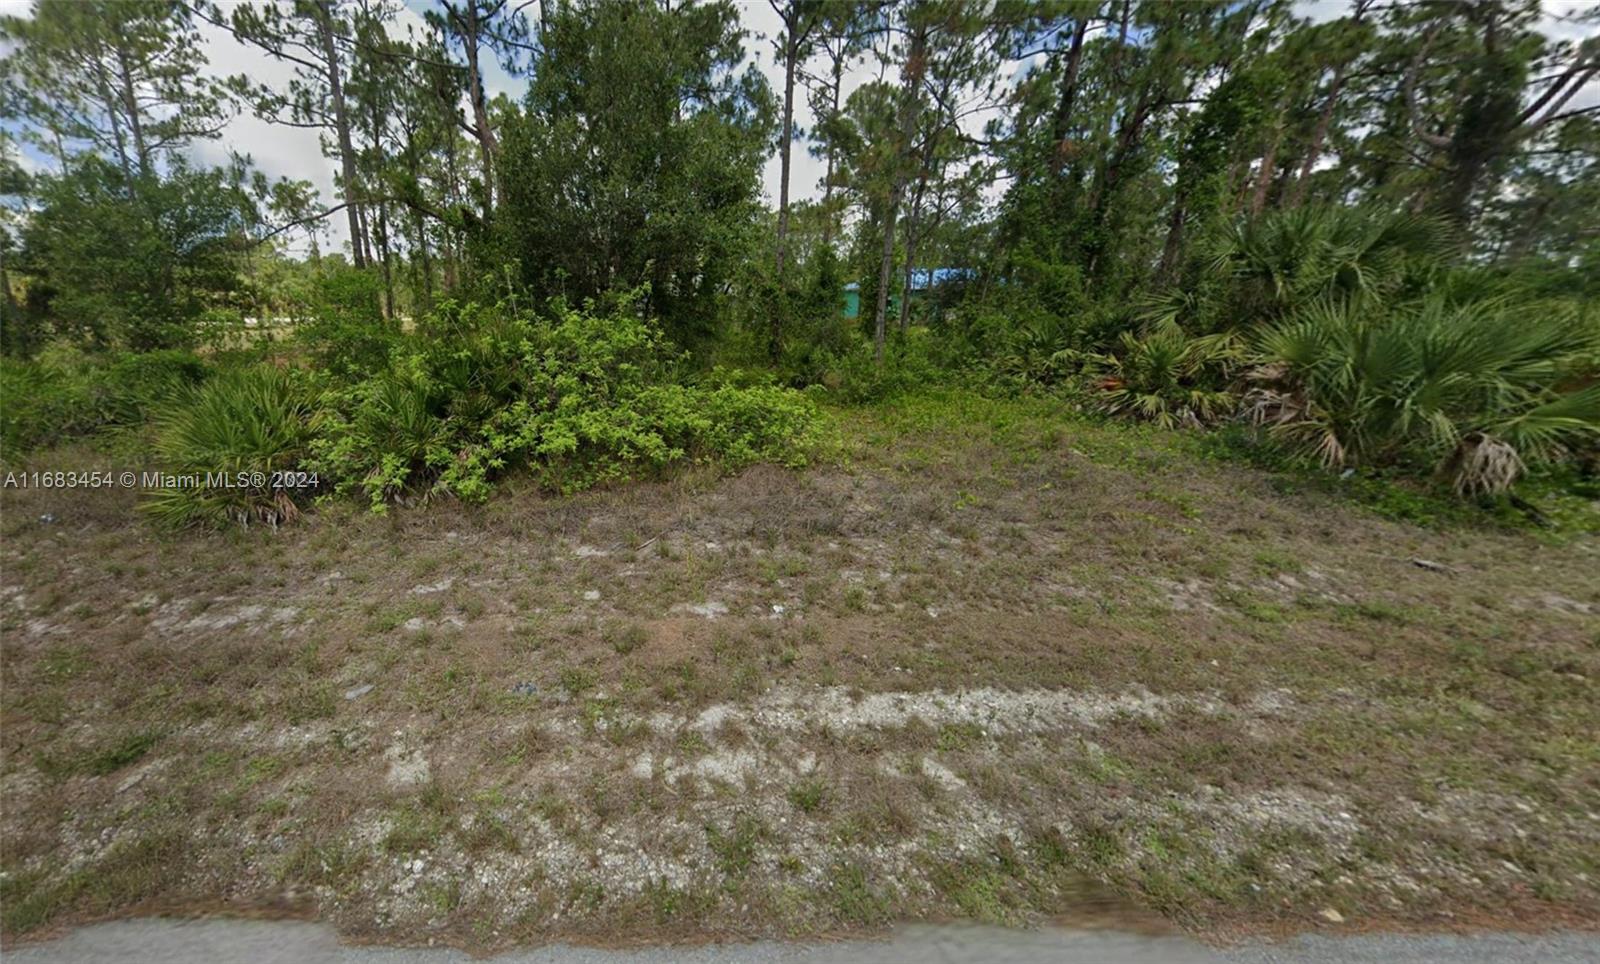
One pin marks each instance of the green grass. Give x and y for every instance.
(810, 795)
(855, 900)
(129, 872)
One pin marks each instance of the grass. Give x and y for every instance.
(1174, 670)
(809, 796)
(99, 761)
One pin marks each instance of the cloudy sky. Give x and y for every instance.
(296, 153)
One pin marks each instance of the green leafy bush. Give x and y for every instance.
(131, 386)
(65, 393)
(576, 397)
(240, 427)
(346, 334)
(41, 402)
(1261, 270)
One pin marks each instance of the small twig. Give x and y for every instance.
(1432, 566)
(643, 545)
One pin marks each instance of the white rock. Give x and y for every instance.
(407, 768)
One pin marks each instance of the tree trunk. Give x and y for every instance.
(1102, 194)
(365, 236)
(111, 98)
(906, 276)
(775, 337)
(341, 121)
(885, 269)
(1258, 199)
(1319, 134)
(1174, 243)
(913, 228)
(383, 261)
(827, 182)
(1069, 92)
(447, 236)
(916, 61)
(130, 103)
(906, 286)
(421, 231)
(487, 147)
(784, 146)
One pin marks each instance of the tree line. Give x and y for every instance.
(1089, 176)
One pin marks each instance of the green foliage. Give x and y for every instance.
(637, 158)
(1166, 377)
(1256, 271)
(346, 334)
(1476, 389)
(42, 403)
(66, 393)
(1041, 349)
(133, 385)
(577, 397)
(242, 426)
(129, 79)
(1265, 177)
(133, 261)
(854, 375)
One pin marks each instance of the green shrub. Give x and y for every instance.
(1476, 390)
(856, 377)
(1165, 377)
(1264, 269)
(65, 393)
(576, 397)
(133, 385)
(346, 334)
(39, 403)
(242, 426)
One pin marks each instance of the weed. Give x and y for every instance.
(735, 846)
(128, 750)
(810, 795)
(625, 639)
(576, 680)
(854, 899)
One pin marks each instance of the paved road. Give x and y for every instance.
(291, 942)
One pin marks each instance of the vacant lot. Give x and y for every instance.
(1013, 668)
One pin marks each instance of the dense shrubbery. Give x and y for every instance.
(65, 393)
(1477, 389)
(1166, 377)
(574, 397)
(248, 424)
(1352, 336)
(1348, 335)
(1254, 238)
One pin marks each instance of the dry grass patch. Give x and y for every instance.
(1005, 669)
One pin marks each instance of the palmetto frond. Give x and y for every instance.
(1466, 384)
